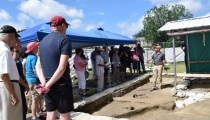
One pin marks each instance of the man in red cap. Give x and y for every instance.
(53, 70)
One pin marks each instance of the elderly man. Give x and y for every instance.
(10, 95)
(55, 50)
(159, 59)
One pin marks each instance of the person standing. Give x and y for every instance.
(100, 69)
(141, 57)
(159, 59)
(54, 52)
(93, 62)
(80, 65)
(111, 52)
(23, 83)
(10, 95)
(105, 56)
(31, 77)
(123, 66)
(116, 66)
(129, 59)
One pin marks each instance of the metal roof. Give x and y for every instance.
(186, 24)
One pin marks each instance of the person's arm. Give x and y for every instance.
(4, 70)
(82, 64)
(59, 71)
(8, 84)
(143, 50)
(15, 55)
(149, 59)
(23, 83)
(39, 72)
(24, 66)
(126, 55)
(164, 59)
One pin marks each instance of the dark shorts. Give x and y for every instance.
(60, 97)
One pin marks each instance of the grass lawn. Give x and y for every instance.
(180, 67)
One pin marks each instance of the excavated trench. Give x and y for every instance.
(141, 101)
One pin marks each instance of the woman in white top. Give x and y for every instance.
(100, 69)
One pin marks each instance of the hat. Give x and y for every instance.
(31, 46)
(8, 29)
(57, 20)
(99, 49)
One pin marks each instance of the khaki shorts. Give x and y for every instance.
(34, 94)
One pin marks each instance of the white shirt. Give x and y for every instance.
(7, 62)
(99, 69)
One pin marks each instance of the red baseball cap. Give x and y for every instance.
(57, 20)
(31, 46)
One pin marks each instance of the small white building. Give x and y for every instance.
(143, 41)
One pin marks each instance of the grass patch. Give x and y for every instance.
(180, 67)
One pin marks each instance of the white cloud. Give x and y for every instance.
(21, 22)
(45, 9)
(93, 26)
(76, 23)
(193, 5)
(132, 28)
(4, 16)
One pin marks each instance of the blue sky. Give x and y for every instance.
(119, 16)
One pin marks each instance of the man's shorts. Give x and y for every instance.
(60, 97)
(34, 94)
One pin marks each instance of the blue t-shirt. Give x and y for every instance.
(51, 48)
(30, 66)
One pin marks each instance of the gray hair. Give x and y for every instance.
(3, 36)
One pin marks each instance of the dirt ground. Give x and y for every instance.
(143, 104)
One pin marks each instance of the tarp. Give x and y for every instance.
(78, 38)
(197, 49)
(112, 38)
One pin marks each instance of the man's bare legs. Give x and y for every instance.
(65, 116)
(52, 116)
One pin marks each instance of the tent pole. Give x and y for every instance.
(174, 62)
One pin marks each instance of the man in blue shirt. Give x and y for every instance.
(53, 70)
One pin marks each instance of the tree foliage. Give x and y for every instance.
(156, 17)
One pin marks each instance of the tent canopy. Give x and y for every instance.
(78, 38)
(112, 38)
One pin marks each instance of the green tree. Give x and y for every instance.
(156, 17)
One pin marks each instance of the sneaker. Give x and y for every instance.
(153, 88)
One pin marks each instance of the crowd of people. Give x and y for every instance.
(44, 73)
